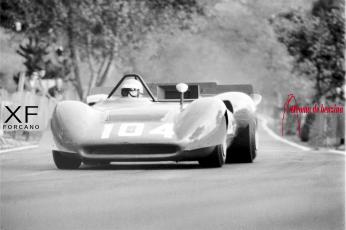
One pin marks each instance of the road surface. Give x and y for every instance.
(284, 189)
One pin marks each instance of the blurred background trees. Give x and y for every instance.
(316, 41)
(280, 48)
(91, 32)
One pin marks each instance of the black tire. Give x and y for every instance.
(243, 149)
(216, 159)
(63, 162)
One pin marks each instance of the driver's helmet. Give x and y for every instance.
(131, 87)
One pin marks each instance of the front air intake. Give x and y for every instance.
(138, 149)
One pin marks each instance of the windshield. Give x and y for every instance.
(145, 91)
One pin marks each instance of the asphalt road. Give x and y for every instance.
(284, 189)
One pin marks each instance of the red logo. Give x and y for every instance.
(287, 107)
(291, 106)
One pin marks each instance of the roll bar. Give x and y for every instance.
(137, 77)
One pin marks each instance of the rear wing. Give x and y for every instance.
(167, 91)
(214, 89)
(197, 89)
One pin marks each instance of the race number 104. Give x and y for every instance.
(137, 129)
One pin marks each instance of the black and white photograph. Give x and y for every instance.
(172, 114)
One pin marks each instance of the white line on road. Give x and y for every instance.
(18, 148)
(337, 152)
(277, 137)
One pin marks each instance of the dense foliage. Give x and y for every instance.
(92, 31)
(316, 41)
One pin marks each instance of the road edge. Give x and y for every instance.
(18, 148)
(271, 133)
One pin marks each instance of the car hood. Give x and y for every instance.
(137, 109)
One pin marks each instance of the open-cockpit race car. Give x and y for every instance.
(204, 122)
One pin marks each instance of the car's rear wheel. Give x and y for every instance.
(63, 162)
(216, 159)
(243, 149)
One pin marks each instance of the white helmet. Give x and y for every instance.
(131, 87)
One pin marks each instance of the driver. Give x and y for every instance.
(131, 88)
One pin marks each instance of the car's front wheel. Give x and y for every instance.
(216, 159)
(63, 162)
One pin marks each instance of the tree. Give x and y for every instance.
(94, 31)
(316, 41)
(34, 53)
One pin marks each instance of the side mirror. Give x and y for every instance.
(182, 88)
(93, 99)
(256, 98)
